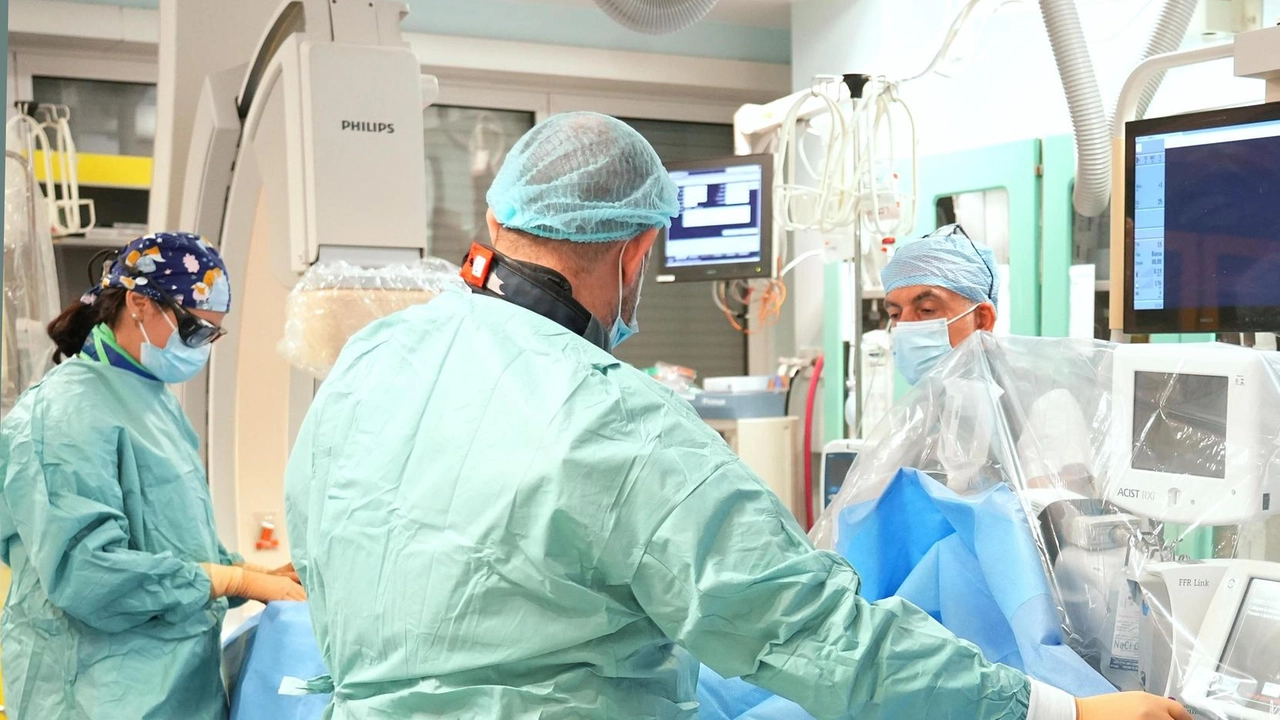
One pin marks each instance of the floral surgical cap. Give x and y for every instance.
(181, 265)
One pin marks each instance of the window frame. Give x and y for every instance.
(675, 109)
(481, 96)
(101, 66)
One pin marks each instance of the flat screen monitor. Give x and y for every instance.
(1202, 229)
(1193, 430)
(837, 460)
(725, 227)
(1235, 669)
(1251, 657)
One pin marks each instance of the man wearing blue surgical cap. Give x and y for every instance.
(494, 518)
(939, 290)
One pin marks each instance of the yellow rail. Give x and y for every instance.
(119, 171)
(4, 592)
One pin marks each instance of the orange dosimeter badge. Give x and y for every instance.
(478, 265)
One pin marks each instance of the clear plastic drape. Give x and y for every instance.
(1148, 476)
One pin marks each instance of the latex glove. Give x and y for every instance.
(1129, 706)
(235, 581)
(283, 570)
(289, 572)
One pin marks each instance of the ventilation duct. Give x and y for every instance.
(656, 17)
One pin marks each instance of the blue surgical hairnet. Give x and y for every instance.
(950, 261)
(583, 177)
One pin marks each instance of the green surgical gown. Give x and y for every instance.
(104, 516)
(495, 519)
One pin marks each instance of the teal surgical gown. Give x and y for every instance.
(495, 519)
(104, 516)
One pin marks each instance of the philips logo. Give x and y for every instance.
(368, 127)
(1136, 494)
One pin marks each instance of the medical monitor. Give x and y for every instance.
(1235, 669)
(725, 227)
(837, 460)
(1202, 222)
(1193, 434)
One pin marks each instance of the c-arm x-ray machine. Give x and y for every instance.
(313, 151)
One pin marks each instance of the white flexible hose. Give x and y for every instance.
(1093, 143)
(656, 17)
(1167, 36)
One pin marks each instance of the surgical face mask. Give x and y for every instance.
(175, 362)
(919, 346)
(623, 330)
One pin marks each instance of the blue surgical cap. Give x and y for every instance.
(583, 177)
(951, 261)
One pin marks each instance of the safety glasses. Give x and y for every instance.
(193, 330)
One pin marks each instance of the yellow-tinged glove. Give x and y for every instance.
(236, 581)
(1129, 706)
(283, 571)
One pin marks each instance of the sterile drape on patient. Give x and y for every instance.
(970, 561)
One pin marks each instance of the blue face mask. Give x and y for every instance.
(918, 347)
(621, 331)
(176, 362)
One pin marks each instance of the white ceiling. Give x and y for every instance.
(760, 13)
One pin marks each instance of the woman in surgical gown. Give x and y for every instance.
(119, 581)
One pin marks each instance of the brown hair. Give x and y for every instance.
(71, 329)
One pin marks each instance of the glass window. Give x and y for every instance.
(678, 322)
(1091, 245)
(465, 147)
(109, 118)
(984, 215)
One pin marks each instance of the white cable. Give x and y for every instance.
(857, 171)
(715, 297)
(792, 265)
(953, 33)
(824, 207)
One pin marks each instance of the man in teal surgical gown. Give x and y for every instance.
(494, 518)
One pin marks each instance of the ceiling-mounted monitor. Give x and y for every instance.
(725, 227)
(1202, 222)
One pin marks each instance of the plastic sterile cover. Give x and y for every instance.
(1148, 477)
(30, 283)
(335, 300)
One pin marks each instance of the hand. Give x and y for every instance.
(283, 571)
(287, 571)
(1129, 706)
(234, 581)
